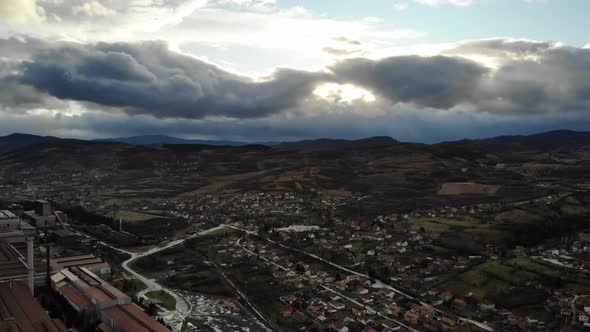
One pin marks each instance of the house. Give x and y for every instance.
(412, 317)
(427, 311)
(287, 311)
(290, 299)
(313, 310)
(338, 327)
(362, 291)
(445, 296)
(341, 284)
(459, 303)
(365, 320)
(395, 309)
(336, 305)
(450, 320)
(584, 303)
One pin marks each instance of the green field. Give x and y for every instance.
(574, 210)
(498, 280)
(129, 286)
(167, 300)
(130, 216)
(441, 224)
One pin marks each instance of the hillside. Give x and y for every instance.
(401, 174)
(18, 141)
(551, 140)
(330, 144)
(163, 139)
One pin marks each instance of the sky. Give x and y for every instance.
(281, 70)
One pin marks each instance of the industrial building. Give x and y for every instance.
(94, 264)
(19, 311)
(17, 260)
(91, 296)
(8, 221)
(42, 217)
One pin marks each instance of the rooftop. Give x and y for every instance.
(5, 214)
(19, 311)
(89, 261)
(132, 318)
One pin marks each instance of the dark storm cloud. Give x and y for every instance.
(438, 82)
(148, 78)
(531, 78)
(14, 95)
(553, 81)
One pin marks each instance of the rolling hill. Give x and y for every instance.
(18, 141)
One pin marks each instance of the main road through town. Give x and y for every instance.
(380, 284)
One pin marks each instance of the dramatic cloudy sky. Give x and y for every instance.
(259, 70)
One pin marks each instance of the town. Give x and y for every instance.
(395, 272)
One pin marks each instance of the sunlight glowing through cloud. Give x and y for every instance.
(343, 93)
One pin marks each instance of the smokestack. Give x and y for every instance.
(48, 249)
(30, 265)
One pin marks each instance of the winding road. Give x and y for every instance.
(183, 307)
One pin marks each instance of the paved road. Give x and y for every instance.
(183, 307)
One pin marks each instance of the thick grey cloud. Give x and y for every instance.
(553, 81)
(530, 78)
(437, 82)
(148, 78)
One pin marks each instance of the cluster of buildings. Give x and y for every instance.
(405, 258)
(100, 303)
(76, 280)
(336, 301)
(573, 255)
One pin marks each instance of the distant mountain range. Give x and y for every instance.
(333, 144)
(163, 139)
(558, 139)
(547, 140)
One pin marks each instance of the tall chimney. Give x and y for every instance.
(30, 265)
(48, 250)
